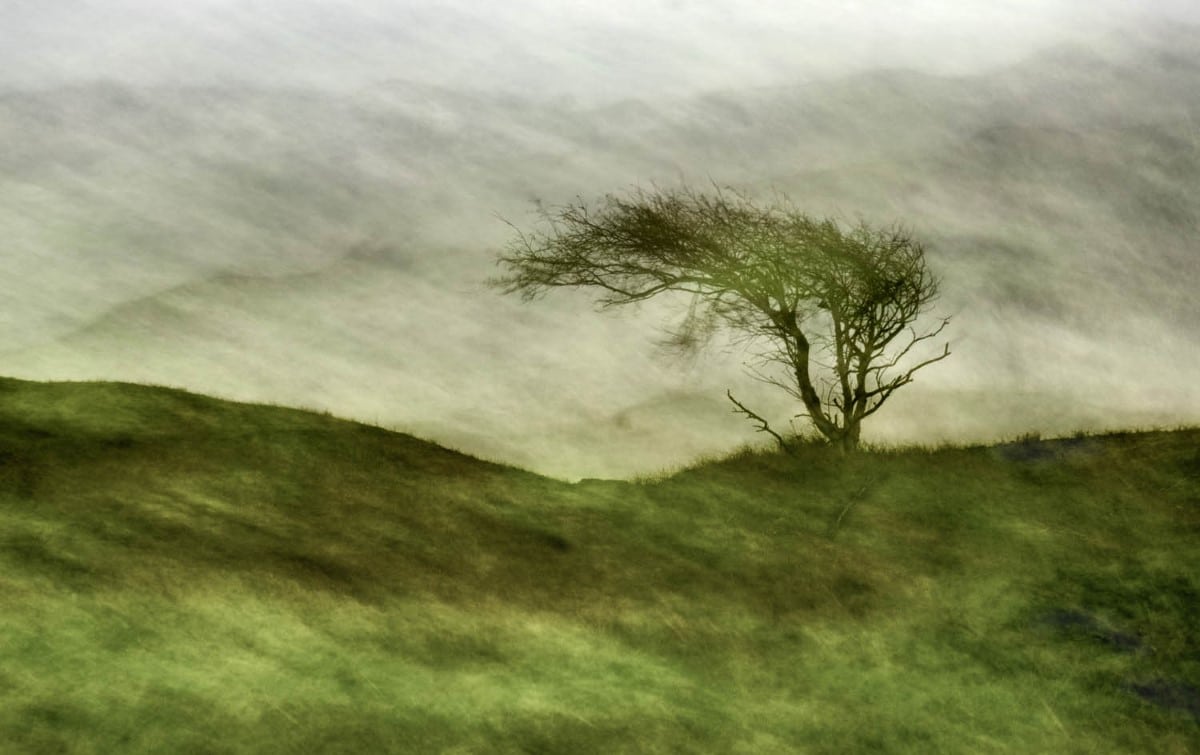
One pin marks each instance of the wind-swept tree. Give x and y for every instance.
(833, 311)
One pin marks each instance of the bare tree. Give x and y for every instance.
(831, 310)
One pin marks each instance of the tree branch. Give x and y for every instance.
(763, 425)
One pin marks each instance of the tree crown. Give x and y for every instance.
(770, 273)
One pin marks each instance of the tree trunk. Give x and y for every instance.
(847, 440)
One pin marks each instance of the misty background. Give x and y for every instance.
(299, 202)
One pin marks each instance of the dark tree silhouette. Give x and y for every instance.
(832, 309)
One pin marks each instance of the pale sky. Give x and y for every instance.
(586, 50)
(314, 233)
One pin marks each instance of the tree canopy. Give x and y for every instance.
(831, 309)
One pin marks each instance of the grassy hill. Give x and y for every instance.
(182, 574)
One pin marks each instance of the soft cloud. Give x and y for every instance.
(312, 227)
(583, 49)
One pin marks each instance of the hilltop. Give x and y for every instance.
(185, 574)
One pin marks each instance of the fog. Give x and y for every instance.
(299, 203)
(587, 50)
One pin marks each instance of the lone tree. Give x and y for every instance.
(832, 310)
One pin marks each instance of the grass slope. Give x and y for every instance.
(182, 574)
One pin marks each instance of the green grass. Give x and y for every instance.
(181, 574)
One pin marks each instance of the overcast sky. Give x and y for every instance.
(605, 49)
(322, 243)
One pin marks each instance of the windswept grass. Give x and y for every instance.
(181, 574)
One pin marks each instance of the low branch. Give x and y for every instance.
(763, 425)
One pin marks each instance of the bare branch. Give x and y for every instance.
(763, 425)
(885, 393)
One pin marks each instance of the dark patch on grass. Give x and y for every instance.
(1170, 695)
(49, 727)
(1027, 451)
(34, 555)
(22, 433)
(54, 714)
(1189, 466)
(312, 569)
(19, 474)
(119, 442)
(553, 541)
(1035, 449)
(1073, 623)
(1164, 607)
(855, 594)
(522, 539)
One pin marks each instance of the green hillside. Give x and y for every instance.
(182, 574)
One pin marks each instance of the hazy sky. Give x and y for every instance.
(610, 48)
(311, 234)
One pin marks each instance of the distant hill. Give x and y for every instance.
(180, 573)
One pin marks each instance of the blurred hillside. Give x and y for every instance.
(180, 573)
